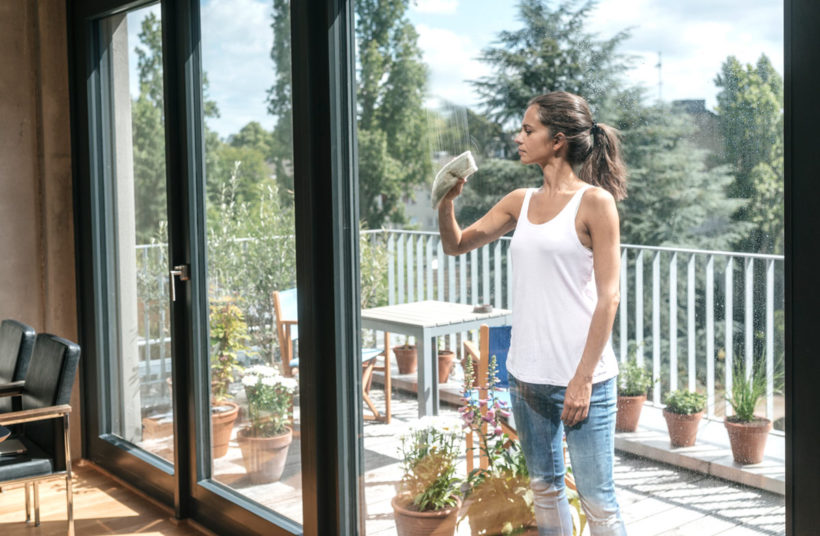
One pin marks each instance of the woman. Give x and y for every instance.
(566, 263)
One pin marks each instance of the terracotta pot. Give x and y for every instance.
(221, 426)
(412, 523)
(629, 411)
(682, 428)
(264, 457)
(748, 439)
(445, 364)
(406, 358)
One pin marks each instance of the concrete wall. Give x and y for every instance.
(37, 284)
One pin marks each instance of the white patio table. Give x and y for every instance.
(426, 320)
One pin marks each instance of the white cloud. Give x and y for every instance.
(439, 7)
(236, 43)
(452, 60)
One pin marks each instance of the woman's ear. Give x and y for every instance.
(559, 141)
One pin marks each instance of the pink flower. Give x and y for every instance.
(491, 413)
(504, 414)
(498, 431)
(482, 402)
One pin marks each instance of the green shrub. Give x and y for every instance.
(634, 379)
(746, 393)
(685, 402)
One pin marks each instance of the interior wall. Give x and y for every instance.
(37, 284)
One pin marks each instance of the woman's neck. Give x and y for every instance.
(558, 177)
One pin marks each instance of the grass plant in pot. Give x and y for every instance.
(266, 440)
(683, 412)
(428, 497)
(229, 335)
(747, 432)
(633, 383)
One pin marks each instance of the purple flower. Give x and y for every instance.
(482, 402)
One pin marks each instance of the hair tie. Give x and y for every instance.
(595, 128)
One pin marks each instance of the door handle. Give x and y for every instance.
(181, 271)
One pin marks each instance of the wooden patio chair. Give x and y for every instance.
(287, 330)
(494, 341)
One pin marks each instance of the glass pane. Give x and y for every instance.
(140, 367)
(254, 335)
(696, 91)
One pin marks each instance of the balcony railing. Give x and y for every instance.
(704, 330)
(689, 315)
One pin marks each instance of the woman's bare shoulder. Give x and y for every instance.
(512, 201)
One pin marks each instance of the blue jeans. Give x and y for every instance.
(537, 410)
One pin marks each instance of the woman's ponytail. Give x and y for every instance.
(603, 165)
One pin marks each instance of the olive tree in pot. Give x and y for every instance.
(683, 412)
(633, 383)
(229, 334)
(428, 497)
(747, 432)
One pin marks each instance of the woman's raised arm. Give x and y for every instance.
(497, 222)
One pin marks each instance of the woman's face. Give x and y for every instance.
(535, 143)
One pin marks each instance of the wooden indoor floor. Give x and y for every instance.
(101, 507)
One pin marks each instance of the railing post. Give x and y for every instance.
(730, 328)
(690, 309)
(639, 306)
(656, 327)
(673, 322)
(624, 306)
(710, 336)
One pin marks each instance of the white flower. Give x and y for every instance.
(289, 383)
(270, 381)
(249, 380)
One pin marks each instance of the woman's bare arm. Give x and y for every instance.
(498, 221)
(604, 229)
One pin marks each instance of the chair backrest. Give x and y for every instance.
(49, 382)
(285, 307)
(16, 342)
(499, 346)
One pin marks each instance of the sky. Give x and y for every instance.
(693, 36)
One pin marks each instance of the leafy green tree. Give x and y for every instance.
(494, 179)
(393, 152)
(280, 97)
(750, 108)
(148, 131)
(675, 199)
(553, 51)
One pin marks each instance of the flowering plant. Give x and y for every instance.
(270, 397)
(502, 502)
(429, 451)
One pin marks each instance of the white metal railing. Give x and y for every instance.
(685, 349)
(694, 347)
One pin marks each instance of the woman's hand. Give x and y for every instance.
(455, 191)
(576, 401)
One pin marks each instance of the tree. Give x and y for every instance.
(750, 108)
(494, 179)
(675, 199)
(552, 52)
(393, 152)
(280, 97)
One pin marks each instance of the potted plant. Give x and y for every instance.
(747, 432)
(633, 383)
(229, 335)
(406, 357)
(267, 438)
(498, 498)
(428, 497)
(446, 357)
(683, 412)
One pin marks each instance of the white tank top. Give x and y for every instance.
(553, 298)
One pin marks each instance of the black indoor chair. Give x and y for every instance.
(16, 342)
(43, 422)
